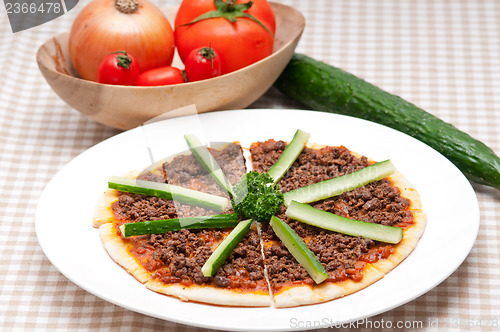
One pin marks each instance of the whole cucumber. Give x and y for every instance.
(326, 88)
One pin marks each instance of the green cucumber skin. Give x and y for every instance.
(216, 221)
(341, 184)
(176, 224)
(139, 190)
(225, 248)
(205, 158)
(283, 164)
(150, 227)
(113, 183)
(326, 88)
(299, 250)
(332, 222)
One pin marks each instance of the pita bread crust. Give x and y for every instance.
(118, 250)
(407, 190)
(211, 294)
(413, 233)
(103, 212)
(305, 294)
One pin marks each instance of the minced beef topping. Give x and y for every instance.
(184, 253)
(244, 268)
(135, 207)
(378, 202)
(185, 171)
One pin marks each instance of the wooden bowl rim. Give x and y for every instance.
(277, 7)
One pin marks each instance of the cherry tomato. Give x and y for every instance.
(239, 43)
(161, 76)
(202, 63)
(118, 68)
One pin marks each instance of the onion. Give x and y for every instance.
(106, 26)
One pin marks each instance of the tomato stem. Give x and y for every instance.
(208, 53)
(230, 11)
(122, 59)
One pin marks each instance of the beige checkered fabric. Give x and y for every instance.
(443, 55)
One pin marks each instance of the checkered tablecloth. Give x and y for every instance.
(442, 55)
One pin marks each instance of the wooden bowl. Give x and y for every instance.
(126, 107)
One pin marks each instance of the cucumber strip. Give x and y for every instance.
(150, 227)
(208, 162)
(299, 250)
(167, 225)
(332, 222)
(323, 87)
(217, 221)
(341, 184)
(168, 191)
(287, 158)
(225, 248)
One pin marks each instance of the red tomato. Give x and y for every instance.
(239, 43)
(161, 76)
(119, 68)
(201, 64)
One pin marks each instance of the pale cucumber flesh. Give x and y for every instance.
(205, 158)
(168, 191)
(289, 155)
(332, 222)
(299, 250)
(336, 186)
(225, 248)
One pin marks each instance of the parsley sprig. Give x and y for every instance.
(256, 197)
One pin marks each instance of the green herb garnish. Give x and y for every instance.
(255, 197)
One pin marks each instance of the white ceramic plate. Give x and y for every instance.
(64, 213)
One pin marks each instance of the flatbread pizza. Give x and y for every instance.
(254, 266)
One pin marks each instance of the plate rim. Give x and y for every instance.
(89, 151)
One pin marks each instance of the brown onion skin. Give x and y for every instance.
(100, 29)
